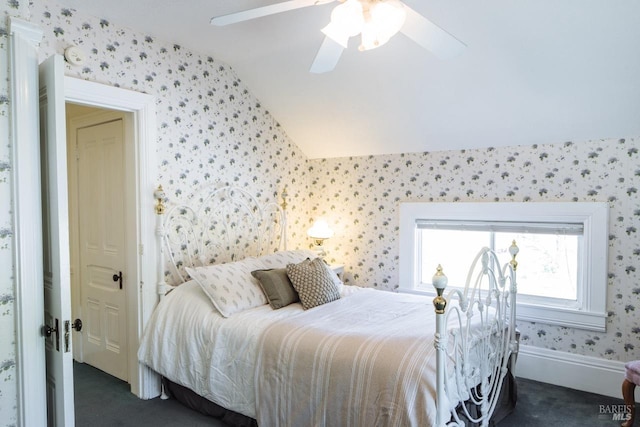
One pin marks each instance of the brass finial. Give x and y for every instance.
(159, 196)
(513, 250)
(439, 281)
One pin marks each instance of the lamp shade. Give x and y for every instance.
(346, 21)
(383, 21)
(320, 230)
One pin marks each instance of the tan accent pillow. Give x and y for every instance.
(312, 281)
(276, 287)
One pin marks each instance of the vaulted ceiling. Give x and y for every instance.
(534, 71)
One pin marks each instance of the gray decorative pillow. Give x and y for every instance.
(276, 287)
(312, 281)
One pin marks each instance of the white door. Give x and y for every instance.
(57, 297)
(102, 256)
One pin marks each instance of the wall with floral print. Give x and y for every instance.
(211, 130)
(360, 198)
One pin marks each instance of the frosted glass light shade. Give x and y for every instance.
(384, 20)
(320, 230)
(346, 21)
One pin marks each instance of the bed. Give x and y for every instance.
(361, 357)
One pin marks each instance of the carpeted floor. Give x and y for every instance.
(541, 404)
(102, 400)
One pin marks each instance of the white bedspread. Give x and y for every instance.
(367, 360)
(374, 365)
(190, 343)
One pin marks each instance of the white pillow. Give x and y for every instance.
(336, 280)
(281, 259)
(230, 286)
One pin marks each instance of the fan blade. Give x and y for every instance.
(327, 57)
(259, 12)
(430, 36)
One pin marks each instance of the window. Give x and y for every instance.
(562, 261)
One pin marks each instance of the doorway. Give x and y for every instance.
(101, 214)
(141, 295)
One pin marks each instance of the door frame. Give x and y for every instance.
(24, 39)
(141, 296)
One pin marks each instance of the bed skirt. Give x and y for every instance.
(192, 400)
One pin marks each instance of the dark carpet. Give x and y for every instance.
(102, 400)
(541, 404)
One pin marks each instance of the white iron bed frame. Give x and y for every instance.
(227, 224)
(223, 225)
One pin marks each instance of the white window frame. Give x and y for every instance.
(590, 312)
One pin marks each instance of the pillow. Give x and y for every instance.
(336, 280)
(276, 287)
(281, 259)
(230, 287)
(312, 281)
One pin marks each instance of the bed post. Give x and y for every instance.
(159, 208)
(161, 285)
(513, 291)
(439, 281)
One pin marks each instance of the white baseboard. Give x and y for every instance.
(585, 373)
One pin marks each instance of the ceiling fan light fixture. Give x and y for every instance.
(346, 21)
(382, 20)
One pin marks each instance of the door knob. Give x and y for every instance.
(77, 325)
(47, 331)
(118, 278)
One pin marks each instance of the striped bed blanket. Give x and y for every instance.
(366, 360)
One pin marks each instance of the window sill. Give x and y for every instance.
(570, 318)
(558, 316)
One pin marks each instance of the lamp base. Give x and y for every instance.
(319, 249)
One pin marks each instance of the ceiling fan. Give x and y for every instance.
(375, 20)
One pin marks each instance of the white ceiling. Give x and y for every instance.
(534, 71)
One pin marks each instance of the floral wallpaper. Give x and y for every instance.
(211, 130)
(360, 198)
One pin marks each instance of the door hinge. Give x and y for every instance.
(141, 249)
